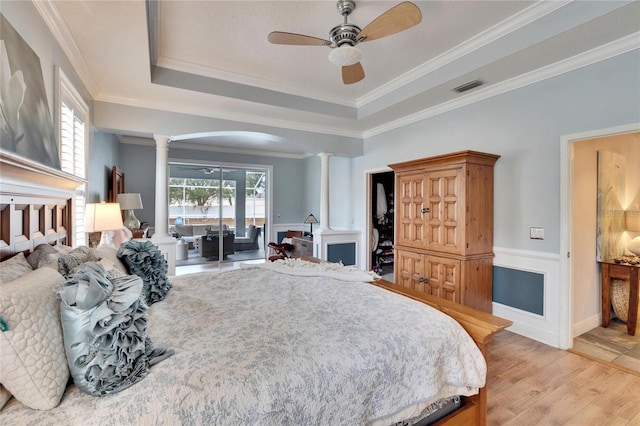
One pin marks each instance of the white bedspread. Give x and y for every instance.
(257, 347)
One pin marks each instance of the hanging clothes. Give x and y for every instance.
(381, 204)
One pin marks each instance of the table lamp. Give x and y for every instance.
(632, 224)
(103, 217)
(130, 202)
(311, 219)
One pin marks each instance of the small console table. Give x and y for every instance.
(620, 271)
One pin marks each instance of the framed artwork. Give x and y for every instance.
(611, 195)
(117, 184)
(25, 120)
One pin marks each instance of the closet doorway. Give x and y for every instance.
(381, 213)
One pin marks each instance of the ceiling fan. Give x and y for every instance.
(343, 38)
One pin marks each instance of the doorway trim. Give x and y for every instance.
(565, 338)
(368, 176)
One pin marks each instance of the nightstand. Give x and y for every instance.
(620, 271)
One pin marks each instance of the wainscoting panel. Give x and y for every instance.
(528, 269)
(519, 289)
(343, 252)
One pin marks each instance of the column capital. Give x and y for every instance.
(162, 140)
(325, 154)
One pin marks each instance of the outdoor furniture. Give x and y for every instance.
(250, 242)
(182, 250)
(192, 233)
(209, 245)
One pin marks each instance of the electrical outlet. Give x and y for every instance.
(536, 233)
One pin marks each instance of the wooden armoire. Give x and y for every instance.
(444, 226)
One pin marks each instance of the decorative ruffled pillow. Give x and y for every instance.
(145, 260)
(14, 268)
(105, 331)
(33, 366)
(68, 262)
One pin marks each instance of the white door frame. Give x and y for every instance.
(368, 176)
(566, 188)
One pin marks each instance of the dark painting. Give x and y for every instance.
(25, 120)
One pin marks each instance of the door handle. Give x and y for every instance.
(425, 210)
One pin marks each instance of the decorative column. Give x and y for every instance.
(161, 237)
(324, 190)
(162, 204)
(329, 244)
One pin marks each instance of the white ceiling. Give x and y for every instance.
(212, 59)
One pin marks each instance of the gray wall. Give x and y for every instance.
(103, 148)
(291, 178)
(524, 127)
(103, 155)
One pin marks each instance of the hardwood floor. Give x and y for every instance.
(531, 383)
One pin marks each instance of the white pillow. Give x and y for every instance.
(13, 268)
(34, 366)
(5, 396)
(97, 254)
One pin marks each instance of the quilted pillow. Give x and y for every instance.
(13, 268)
(104, 324)
(68, 262)
(33, 367)
(145, 260)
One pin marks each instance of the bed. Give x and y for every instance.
(303, 344)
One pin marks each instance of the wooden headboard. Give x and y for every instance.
(35, 204)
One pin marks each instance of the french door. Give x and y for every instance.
(229, 203)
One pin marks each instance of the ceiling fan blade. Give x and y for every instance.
(398, 18)
(352, 73)
(278, 37)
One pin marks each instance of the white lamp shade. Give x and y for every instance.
(632, 220)
(102, 217)
(130, 201)
(345, 55)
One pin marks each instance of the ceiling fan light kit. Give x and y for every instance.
(345, 55)
(346, 36)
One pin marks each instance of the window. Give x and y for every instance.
(73, 113)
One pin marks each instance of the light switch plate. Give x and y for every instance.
(536, 233)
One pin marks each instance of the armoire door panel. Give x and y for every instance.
(444, 187)
(409, 267)
(443, 277)
(410, 223)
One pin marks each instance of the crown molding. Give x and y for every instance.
(502, 29)
(54, 21)
(601, 53)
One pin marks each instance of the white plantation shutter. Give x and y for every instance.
(73, 148)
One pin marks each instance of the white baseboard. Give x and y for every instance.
(526, 324)
(586, 325)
